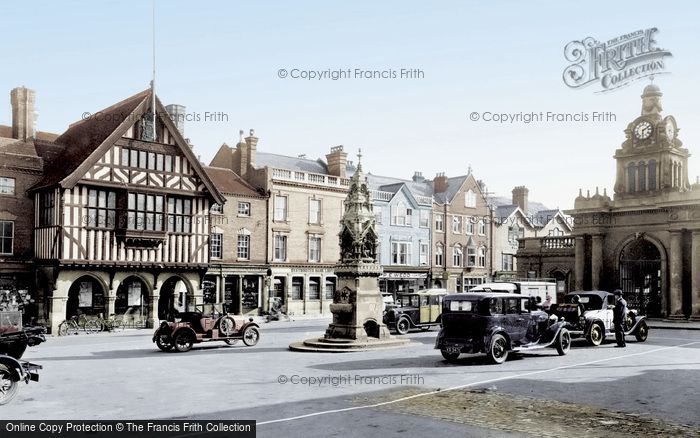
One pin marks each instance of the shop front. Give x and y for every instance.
(402, 282)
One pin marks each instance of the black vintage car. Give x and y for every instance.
(496, 324)
(14, 340)
(420, 309)
(590, 315)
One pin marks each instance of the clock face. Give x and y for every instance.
(670, 130)
(643, 130)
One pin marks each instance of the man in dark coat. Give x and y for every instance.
(619, 314)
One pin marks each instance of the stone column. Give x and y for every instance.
(111, 299)
(675, 290)
(596, 261)
(695, 273)
(153, 319)
(580, 256)
(57, 313)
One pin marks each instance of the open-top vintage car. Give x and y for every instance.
(415, 310)
(14, 340)
(209, 322)
(590, 315)
(496, 324)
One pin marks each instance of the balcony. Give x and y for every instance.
(309, 178)
(546, 245)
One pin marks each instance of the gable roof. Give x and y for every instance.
(230, 183)
(88, 140)
(544, 217)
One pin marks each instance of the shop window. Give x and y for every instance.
(330, 288)
(314, 288)
(297, 288)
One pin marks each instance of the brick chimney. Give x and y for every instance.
(337, 162)
(177, 115)
(252, 142)
(247, 148)
(440, 183)
(520, 198)
(418, 177)
(23, 115)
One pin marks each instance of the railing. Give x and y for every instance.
(558, 242)
(378, 195)
(425, 200)
(309, 178)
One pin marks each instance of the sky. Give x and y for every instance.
(225, 58)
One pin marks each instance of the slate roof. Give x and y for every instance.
(229, 182)
(393, 185)
(6, 132)
(453, 186)
(263, 159)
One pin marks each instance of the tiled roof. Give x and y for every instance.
(6, 132)
(81, 138)
(266, 159)
(228, 182)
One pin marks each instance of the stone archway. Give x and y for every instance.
(175, 294)
(133, 301)
(86, 295)
(641, 268)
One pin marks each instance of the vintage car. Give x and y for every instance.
(14, 340)
(209, 322)
(590, 315)
(496, 324)
(415, 310)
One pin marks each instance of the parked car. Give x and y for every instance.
(14, 340)
(533, 288)
(497, 324)
(590, 315)
(209, 322)
(415, 310)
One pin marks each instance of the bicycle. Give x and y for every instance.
(113, 323)
(74, 324)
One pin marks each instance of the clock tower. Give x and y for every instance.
(652, 159)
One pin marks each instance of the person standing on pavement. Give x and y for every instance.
(619, 314)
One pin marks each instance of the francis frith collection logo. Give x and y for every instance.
(614, 63)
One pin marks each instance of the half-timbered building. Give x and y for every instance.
(122, 217)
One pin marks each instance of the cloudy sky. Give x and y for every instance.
(484, 57)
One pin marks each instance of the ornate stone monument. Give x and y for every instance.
(357, 303)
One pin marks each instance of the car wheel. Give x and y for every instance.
(629, 321)
(251, 335)
(563, 342)
(8, 385)
(498, 350)
(596, 335)
(402, 325)
(183, 342)
(227, 326)
(231, 341)
(164, 343)
(450, 357)
(642, 332)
